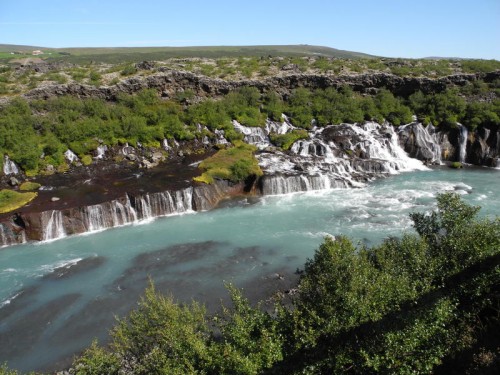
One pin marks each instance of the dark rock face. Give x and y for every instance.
(484, 148)
(420, 143)
(169, 82)
(48, 225)
(481, 147)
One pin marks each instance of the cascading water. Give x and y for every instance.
(337, 156)
(101, 151)
(4, 239)
(9, 167)
(111, 214)
(70, 156)
(53, 225)
(108, 215)
(184, 200)
(253, 135)
(462, 153)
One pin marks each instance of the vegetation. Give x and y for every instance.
(11, 200)
(424, 303)
(29, 186)
(50, 127)
(235, 164)
(285, 141)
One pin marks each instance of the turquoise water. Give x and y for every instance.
(51, 310)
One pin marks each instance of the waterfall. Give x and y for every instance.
(108, 215)
(253, 135)
(282, 184)
(53, 226)
(184, 200)
(165, 145)
(433, 142)
(279, 128)
(164, 203)
(4, 239)
(9, 167)
(221, 139)
(463, 143)
(70, 156)
(95, 218)
(337, 156)
(101, 151)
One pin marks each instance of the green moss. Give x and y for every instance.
(86, 159)
(456, 165)
(29, 186)
(235, 164)
(11, 200)
(31, 172)
(285, 141)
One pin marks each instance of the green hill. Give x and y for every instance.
(134, 54)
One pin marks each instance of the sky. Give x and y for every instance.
(392, 28)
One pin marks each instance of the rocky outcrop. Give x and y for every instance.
(337, 156)
(433, 145)
(54, 224)
(170, 82)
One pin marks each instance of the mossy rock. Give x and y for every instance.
(456, 165)
(11, 200)
(29, 186)
(86, 159)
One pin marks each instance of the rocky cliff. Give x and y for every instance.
(432, 145)
(170, 82)
(127, 209)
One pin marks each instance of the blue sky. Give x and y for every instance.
(397, 28)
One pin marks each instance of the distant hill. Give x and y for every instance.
(133, 54)
(14, 47)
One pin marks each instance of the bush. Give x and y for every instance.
(235, 164)
(128, 70)
(86, 159)
(285, 141)
(29, 186)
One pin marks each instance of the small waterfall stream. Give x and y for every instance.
(9, 167)
(53, 225)
(464, 132)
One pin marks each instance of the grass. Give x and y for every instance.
(11, 200)
(234, 164)
(29, 186)
(285, 141)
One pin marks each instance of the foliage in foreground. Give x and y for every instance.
(402, 307)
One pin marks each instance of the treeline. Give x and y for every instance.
(37, 134)
(424, 303)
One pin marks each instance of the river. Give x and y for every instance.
(55, 297)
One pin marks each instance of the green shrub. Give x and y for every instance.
(235, 164)
(285, 141)
(86, 159)
(29, 186)
(128, 70)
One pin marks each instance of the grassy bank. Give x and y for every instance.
(12, 200)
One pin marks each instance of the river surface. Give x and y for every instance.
(56, 297)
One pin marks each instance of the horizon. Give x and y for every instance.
(390, 28)
(246, 45)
